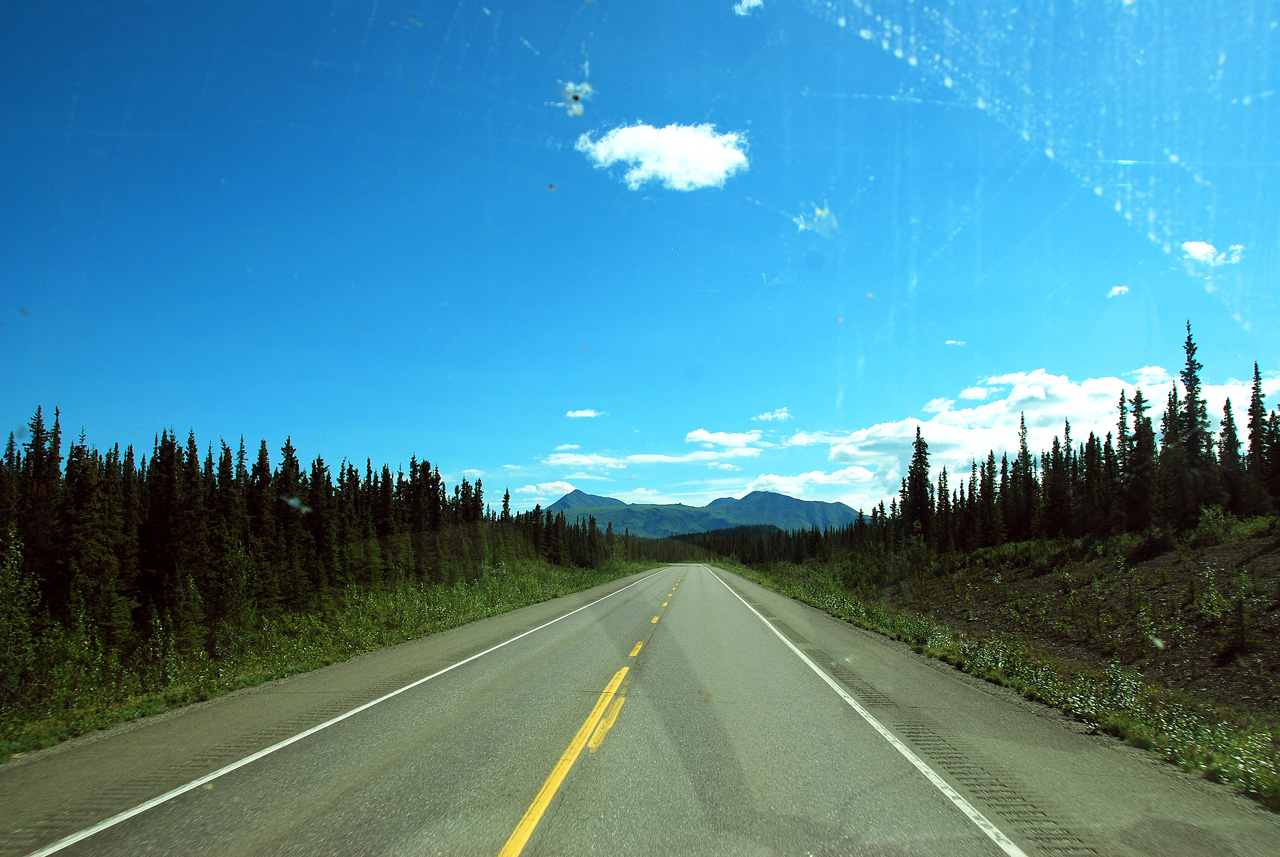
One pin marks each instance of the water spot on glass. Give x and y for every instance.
(295, 502)
(572, 97)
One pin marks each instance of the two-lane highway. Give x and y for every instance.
(685, 711)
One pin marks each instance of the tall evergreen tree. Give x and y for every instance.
(1195, 433)
(1229, 460)
(1140, 480)
(1257, 455)
(916, 513)
(1176, 502)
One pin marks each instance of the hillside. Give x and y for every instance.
(1202, 617)
(651, 520)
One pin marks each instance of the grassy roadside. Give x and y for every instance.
(1221, 744)
(85, 691)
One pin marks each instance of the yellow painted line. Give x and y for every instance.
(636, 650)
(655, 621)
(606, 723)
(520, 836)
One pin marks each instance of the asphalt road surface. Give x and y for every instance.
(682, 711)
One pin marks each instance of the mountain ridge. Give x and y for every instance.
(662, 520)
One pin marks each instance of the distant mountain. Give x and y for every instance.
(653, 520)
(582, 500)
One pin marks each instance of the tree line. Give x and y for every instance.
(1133, 481)
(185, 550)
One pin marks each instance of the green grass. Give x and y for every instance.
(83, 690)
(1222, 745)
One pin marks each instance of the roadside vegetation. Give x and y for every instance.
(1131, 580)
(1209, 706)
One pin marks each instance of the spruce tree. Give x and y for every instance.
(916, 513)
(1176, 502)
(1140, 481)
(1195, 433)
(1256, 458)
(1229, 460)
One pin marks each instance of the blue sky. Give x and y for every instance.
(380, 228)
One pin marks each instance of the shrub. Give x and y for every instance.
(1213, 529)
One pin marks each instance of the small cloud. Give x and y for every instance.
(588, 476)
(682, 157)
(780, 414)
(586, 413)
(723, 465)
(722, 438)
(745, 6)
(473, 474)
(565, 447)
(975, 392)
(804, 438)
(560, 488)
(799, 484)
(1150, 376)
(513, 467)
(1206, 254)
(939, 405)
(577, 459)
(1118, 290)
(955, 342)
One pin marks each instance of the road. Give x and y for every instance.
(682, 711)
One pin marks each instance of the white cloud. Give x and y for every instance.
(975, 392)
(585, 413)
(1150, 376)
(744, 7)
(955, 342)
(723, 465)
(700, 455)
(1118, 290)
(937, 406)
(576, 459)
(805, 438)
(591, 476)
(473, 474)
(798, 484)
(510, 467)
(780, 414)
(722, 438)
(565, 447)
(957, 436)
(557, 488)
(1206, 254)
(682, 157)
(607, 462)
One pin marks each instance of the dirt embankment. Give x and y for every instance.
(1204, 619)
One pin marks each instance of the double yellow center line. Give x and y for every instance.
(533, 815)
(592, 734)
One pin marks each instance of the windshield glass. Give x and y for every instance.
(675, 252)
(680, 252)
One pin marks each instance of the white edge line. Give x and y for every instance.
(981, 821)
(79, 835)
